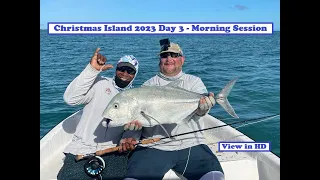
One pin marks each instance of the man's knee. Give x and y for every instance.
(149, 163)
(213, 175)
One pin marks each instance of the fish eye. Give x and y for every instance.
(116, 105)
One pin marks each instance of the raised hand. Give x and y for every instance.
(98, 61)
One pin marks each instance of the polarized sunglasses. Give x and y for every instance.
(128, 69)
(172, 54)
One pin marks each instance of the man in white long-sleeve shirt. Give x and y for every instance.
(95, 92)
(188, 155)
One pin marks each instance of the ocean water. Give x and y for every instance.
(216, 59)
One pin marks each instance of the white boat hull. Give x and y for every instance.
(237, 166)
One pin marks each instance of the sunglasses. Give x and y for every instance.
(173, 55)
(128, 69)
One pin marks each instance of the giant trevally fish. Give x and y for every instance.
(154, 105)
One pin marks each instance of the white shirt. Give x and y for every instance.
(191, 83)
(95, 92)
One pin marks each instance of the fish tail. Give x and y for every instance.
(221, 98)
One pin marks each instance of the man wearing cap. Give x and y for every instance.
(95, 92)
(187, 155)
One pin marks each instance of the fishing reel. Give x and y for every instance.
(94, 167)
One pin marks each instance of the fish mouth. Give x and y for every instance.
(105, 122)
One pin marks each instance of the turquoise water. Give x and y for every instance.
(216, 59)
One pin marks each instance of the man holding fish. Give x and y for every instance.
(95, 92)
(187, 155)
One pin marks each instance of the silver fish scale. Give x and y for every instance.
(153, 105)
(161, 104)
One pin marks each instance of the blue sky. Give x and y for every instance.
(160, 11)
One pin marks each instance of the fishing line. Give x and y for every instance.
(244, 121)
(225, 119)
(246, 124)
(186, 163)
(253, 154)
(267, 118)
(95, 168)
(257, 121)
(229, 139)
(147, 141)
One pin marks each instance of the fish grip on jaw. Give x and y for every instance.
(144, 114)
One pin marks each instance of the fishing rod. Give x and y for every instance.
(148, 141)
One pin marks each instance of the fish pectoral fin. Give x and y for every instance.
(144, 114)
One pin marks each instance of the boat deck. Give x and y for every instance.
(237, 166)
